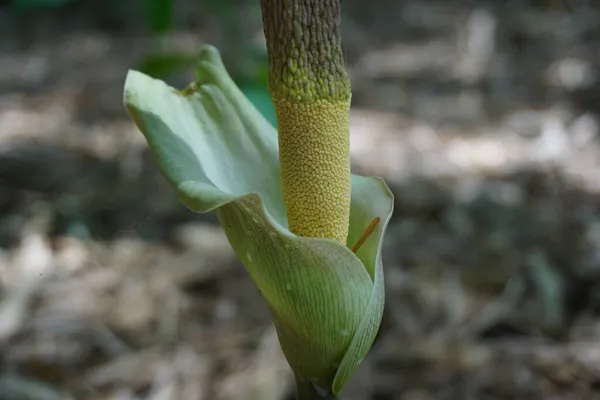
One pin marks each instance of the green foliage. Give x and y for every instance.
(261, 98)
(159, 15)
(162, 65)
(27, 5)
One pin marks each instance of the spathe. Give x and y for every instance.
(219, 153)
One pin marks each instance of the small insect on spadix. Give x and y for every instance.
(366, 234)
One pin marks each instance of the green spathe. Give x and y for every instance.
(219, 153)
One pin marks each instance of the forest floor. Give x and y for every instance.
(484, 122)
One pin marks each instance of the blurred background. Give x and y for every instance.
(482, 116)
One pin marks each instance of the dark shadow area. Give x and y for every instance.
(87, 197)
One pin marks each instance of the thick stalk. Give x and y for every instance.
(311, 94)
(306, 391)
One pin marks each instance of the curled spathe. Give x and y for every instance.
(220, 154)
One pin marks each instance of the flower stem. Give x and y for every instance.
(307, 391)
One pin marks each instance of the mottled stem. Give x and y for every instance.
(311, 94)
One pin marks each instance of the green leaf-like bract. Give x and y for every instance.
(219, 153)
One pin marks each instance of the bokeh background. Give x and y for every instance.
(483, 117)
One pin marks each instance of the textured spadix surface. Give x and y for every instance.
(219, 153)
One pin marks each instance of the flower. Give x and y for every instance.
(219, 153)
(311, 94)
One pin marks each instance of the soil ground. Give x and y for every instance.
(483, 117)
